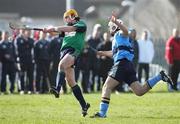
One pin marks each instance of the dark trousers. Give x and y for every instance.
(29, 69)
(8, 69)
(85, 77)
(42, 71)
(85, 81)
(53, 72)
(77, 72)
(174, 71)
(93, 77)
(141, 67)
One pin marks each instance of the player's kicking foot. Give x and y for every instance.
(54, 91)
(97, 115)
(167, 79)
(84, 110)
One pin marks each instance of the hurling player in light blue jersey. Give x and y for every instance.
(123, 69)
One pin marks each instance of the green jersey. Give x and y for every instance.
(76, 38)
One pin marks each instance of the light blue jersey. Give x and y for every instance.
(122, 47)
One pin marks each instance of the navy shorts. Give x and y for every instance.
(71, 51)
(65, 51)
(123, 71)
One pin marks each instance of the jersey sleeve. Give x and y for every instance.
(80, 26)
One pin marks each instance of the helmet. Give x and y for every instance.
(112, 26)
(72, 13)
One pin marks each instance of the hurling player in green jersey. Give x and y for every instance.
(72, 45)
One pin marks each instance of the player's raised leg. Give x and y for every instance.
(140, 90)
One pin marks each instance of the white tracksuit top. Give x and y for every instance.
(146, 51)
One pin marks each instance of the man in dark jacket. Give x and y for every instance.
(25, 47)
(8, 57)
(42, 60)
(94, 41)
(105, 62)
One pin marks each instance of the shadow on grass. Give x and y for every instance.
(164, 92)
(150, 117)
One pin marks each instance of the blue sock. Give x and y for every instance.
(103, 109)
(151, 82)
(60, 79)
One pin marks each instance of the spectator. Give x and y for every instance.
(146, 54)
(15, 34)
(105, 62)
(84, 61)
(36, 35)
(8, 58)
(172, 56)
(94, 40)
(42, 60)
(25, 48)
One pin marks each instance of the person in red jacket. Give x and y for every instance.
(172, 56)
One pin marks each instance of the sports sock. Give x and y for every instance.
(104, 105)
(151, 82)
(60, 79)
(78, 94)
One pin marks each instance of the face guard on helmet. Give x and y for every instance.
(71, 13)
(113, 27)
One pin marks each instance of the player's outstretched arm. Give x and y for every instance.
(60, 29)
(113, 19)
(65, 28)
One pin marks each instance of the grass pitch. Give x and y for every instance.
(156, 107)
